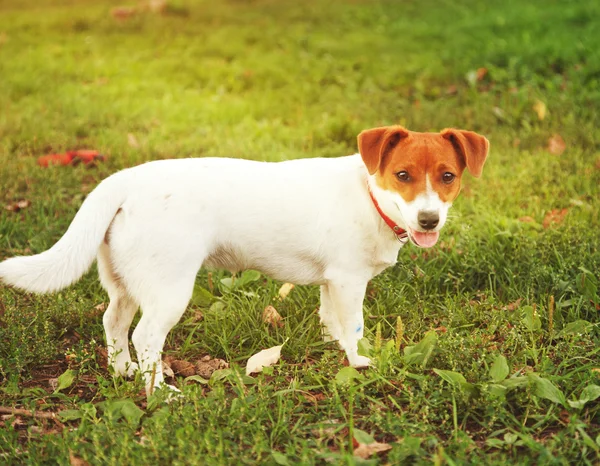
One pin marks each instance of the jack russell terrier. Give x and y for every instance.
(331, 222)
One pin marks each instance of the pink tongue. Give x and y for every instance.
(425, 239)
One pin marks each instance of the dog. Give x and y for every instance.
(332, 222)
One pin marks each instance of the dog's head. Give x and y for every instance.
(415, 177)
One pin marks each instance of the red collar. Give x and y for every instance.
(399, 232)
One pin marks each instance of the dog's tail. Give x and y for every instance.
(73, 254)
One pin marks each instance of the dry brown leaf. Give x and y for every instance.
(364, 451)
(539, 107)
(555, 217)
(285, 290)
(76, 461)
(556, 144)
(481, 73)
(132, 141)
(514, 305)
(123, 12)
(262, 359)
(17, 206)
(272, 317)
(157, 6)
(527, 219)
(166, 368)
(598, 164)
(206, 366)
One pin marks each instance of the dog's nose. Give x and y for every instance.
(428, 220)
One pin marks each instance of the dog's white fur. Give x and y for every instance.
(152, 227)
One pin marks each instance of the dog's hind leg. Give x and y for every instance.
(162, 307)
(118, 316)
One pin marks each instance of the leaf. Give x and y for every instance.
(362, 437)
(515, 382)
(347, 375)
(364, 347)
(220, 374)
(272, 317)
(453, 378)
(65, 380)
(285, 290)
(247, 277)
(18, 205)
(578, 327)
(421, 352)
(131, 412)
(202, 297)
(499, 370)
(266, 357)
(531, 319)
(196, 378)
(497, 390)
(125, 408)
(547, 390)
(132, 141)
(589, 393)
(540, 109)
(554, 217)
(70, 415)
(280, 458)
(556, 144)
(366, 450)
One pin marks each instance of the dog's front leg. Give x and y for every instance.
(346, 295)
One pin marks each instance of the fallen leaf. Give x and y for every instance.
(539, 107)
(272, 317)
(3, 38)
(76, 461)
(123, 12)
(206, 366)
(157, 6)
(554, 217)
(514, 305)
(285, 290)
(527, 219)
(556, 144)
(598, 164)
(264, 358)
(365, 451)
(481, 73)
(18, 206)
(132, 141)
(166, 368)
(452, 89)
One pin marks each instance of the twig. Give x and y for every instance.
(27, 412)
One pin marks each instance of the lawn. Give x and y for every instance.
(486, 348)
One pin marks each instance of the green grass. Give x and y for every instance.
(501, 374)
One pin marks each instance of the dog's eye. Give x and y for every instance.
(403, 175)
(448, 177)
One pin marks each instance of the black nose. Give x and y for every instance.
(428, 220)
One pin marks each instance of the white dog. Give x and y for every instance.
(332, 222)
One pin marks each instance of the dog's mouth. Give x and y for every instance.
(424, 239)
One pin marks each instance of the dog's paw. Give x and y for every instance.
(127, 369)
(359, 361)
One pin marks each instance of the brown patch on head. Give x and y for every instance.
(403, 161)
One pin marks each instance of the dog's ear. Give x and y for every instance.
(374, 144)
(472, 147)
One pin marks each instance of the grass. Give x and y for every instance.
(498, 354)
